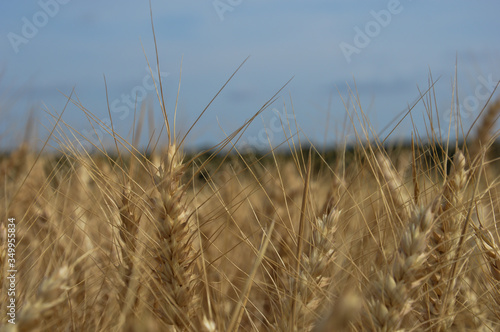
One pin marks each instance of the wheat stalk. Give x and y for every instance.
(129, 218)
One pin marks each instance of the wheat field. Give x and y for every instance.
(370, 238)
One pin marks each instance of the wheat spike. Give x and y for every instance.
(395, 186)
(174, 255)
(484, 130)
(439, 311)
(393, 292)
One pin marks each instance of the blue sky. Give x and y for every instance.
(77, 42)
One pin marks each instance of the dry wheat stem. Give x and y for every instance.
(300, 240)
(128, 233)
(416, 187)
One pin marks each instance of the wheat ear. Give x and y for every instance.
(491, 253)
(51, 295)
(484, 134)
(319, 264)
(438, 308)
(393, 292)
(174, 255)
(315, 278)
(395, 186)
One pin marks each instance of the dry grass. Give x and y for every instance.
(373, 240)
(114, 245)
